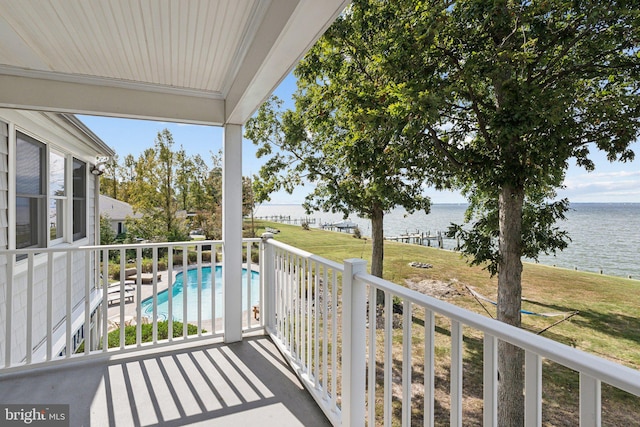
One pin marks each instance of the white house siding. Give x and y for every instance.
(49, 129)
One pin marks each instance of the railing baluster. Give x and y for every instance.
(139, 291)
(29, 337)
(277, 290)
(490, 381)
(123, 275)
(87, 302)
(214, 251)
(456, 373)
(296, 305)
(69, 303)
(532, 390)
(277, 275)
(590, 401)
(303, 315)
(325, 333)
(388, 362)
(334, 340)
(154, 281)
(407, 362)
(266, 300)
(371, 403)
(170, 292)
(316, 326)
(429, 363)
(49, 354)
(248, 284)
(290, 312)
(105, 302)
(9, 311)
(199, 278)
(185, 287)
(138, 299)
(308, 297)
(286, 315)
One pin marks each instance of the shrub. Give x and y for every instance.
(356, 233)
(255, 256)
(147, 265)
(146, 332)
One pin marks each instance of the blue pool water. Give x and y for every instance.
(178, 292)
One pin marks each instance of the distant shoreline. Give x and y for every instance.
(466, 204)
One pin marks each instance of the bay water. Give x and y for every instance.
(604, 236)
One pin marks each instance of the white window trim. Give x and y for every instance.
(87, 176)
(65, 198)
(67, 240)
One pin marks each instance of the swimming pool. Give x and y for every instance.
(146, 306)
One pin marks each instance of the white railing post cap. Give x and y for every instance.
(357, 263)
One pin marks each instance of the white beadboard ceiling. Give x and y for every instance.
(199, 61)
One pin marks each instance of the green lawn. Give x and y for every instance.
(608, 322)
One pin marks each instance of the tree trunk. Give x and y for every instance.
(377, 243)
(510, 358)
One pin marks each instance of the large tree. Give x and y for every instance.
(340, 135)
(153, 190)
(353, 168)
(504, 94)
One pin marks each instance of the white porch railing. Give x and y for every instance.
(362, 363)
(52, 300)
(376, 372)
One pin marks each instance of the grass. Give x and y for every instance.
(607, 323)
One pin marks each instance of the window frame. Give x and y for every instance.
(68, 201)
(84, 198)
(40, 198)
(63, 199)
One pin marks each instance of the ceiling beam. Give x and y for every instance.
(288, 31)
(105, 98)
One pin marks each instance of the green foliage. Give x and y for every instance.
(159, 183)
(505, 94)
(146, 334)
(342, 135)
(502, 96)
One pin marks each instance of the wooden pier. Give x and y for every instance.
(286, 219)
(421, 238)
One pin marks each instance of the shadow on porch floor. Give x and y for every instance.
(241, 384)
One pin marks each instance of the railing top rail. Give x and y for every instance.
(157, 244)
(144, 245)
(307, 255)
(68, 248)
(620, 376)
(36, 251)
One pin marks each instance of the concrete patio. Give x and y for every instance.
(214, 384)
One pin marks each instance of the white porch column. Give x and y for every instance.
(232, 232)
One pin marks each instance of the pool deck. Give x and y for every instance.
(247, 383)
(146, 291)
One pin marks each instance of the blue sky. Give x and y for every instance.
(610, 182)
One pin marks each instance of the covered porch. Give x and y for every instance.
(213, 63)
(208, 383)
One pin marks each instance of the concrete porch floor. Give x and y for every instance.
(213, 384)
